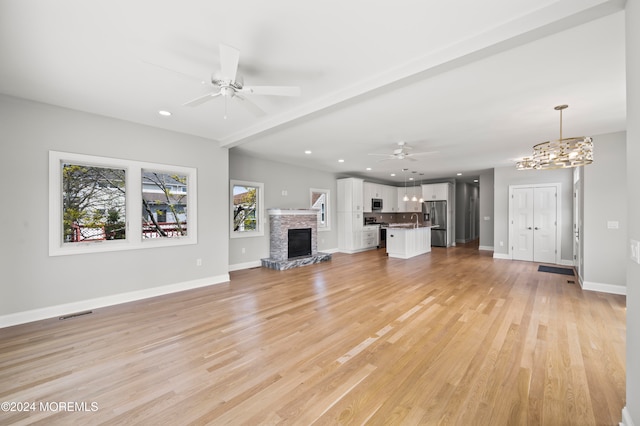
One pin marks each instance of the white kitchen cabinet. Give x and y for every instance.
(369, 192)
(405, 243)
(388, 194)
(350, 195)
(436, 191)
(389, 199)
(350, 214)
(370, 236)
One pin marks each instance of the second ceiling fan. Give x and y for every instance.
(230, 85)
(403, 153)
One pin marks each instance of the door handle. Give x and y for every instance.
(529, 228)
(536, 228)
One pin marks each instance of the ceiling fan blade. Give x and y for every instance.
(229, 58)
(202, 99)
(273, 90)
(250, 106)
(382, 155)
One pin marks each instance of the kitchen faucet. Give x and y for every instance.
(416, 215)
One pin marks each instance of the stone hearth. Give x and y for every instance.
(280, 221)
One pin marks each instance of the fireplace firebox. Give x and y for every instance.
(299, 243)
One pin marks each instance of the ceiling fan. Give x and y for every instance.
(403, 153)
(230, 85)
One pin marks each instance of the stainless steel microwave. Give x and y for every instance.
(376, 204)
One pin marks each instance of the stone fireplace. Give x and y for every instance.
(293, 239)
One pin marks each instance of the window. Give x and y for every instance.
(247, 216)
(320, 201)
(164, 204)
(92, 204)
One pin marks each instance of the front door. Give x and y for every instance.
(522, 222)
(534, 224)
(544, 224)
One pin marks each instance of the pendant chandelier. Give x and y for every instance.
(406, 197)
(559, 154)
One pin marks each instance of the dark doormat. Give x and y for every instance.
(555, 270)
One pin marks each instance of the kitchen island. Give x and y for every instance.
(406, 241)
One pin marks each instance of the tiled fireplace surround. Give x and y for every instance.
(280, 221)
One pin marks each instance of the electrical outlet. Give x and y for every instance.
(501, 243)
(243, 250)
(198, 262)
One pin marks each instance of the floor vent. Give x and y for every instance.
(571, 281)
(77, 314)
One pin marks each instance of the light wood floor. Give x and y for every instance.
(452, 337)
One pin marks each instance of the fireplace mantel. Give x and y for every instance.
(292, 212)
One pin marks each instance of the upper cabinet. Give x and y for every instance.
(350, 195)
(390, 199)
(436, 191)
(388, 195)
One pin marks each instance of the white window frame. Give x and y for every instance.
(133, 199)
(327, 207)
(259, 232)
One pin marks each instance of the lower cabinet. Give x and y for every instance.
(370, 237)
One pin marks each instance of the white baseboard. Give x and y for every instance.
(485, 248)
(565, 262)
(245, 265)
(626, 418)
(333, 250)
(100, 302)
(504, 256)
(604, 288)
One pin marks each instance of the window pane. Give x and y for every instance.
(93, 203)
(164, 204)
(245, 202)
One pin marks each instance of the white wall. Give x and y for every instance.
(505, 176)
(278, 177)
(486, 207)
(604, 201)
(632, 409)
(35, 285)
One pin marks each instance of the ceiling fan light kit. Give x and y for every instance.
(559, 154)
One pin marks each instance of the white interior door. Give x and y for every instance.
(534, 223)
(522, 222)
(544, 224)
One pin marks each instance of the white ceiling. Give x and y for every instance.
(474, 81)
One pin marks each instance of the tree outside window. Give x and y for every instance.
(164, 204)
(93, 203)
(246, 199)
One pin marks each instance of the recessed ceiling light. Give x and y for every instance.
(341, 161)
(368, 169)
(393, 174)
(164, 113)
(476, 180)
(410, 178)
(459, 174)
(307, 152)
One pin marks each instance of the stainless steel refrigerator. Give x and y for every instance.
(436, 212)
